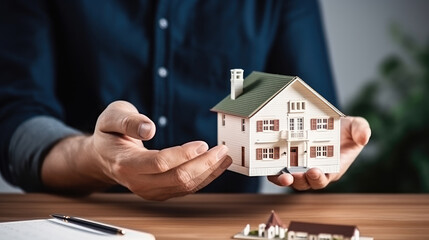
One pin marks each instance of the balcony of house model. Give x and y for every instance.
(294, 135)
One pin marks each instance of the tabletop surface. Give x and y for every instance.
(220, 216)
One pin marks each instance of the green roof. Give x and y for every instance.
(258, 89)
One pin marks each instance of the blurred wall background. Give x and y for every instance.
(363, 49)
(359, 39)
(380, 59)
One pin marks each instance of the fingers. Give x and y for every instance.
(296, 180)
(209, 175)
(312, 179)
(316, 179)
(142, 161)
(359, 129)
(300, 182)
(355, 134)
(283, 180)
(173, 157)
(200, 182)
(122, 117)
(188, 176)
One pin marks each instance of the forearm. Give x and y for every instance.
(71, 166)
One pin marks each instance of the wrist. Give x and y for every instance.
(72, 165)
(92, 165)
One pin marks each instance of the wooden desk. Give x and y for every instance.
(219, 216)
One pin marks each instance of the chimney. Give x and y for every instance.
(236, 83)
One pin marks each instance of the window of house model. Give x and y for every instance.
(270, 153)
(296, 124)
(267, 153)
(297, 106)
(268, 125)
(321, 151)
(322, 123)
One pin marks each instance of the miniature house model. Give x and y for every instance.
(316, 231)
(272, 228)
(273, 123)
(275, 229)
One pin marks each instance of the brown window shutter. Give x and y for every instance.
(312, 152)
(259, 126)
(259, 154)
(243, 156)
(313, 123)
(276, 125)
(330, 123)
(276, 153)
(330, 151)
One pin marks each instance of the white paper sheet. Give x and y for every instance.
(54, 229)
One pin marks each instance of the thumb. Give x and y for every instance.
(361, 131)
(122, 117)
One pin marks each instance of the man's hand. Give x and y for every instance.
(115, 154)
(355, 134)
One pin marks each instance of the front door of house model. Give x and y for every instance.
(293, 156)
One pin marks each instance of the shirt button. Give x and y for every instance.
(163, 23)
(162, 121)
(162, 72)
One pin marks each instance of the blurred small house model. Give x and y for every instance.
(273, 123)
(272, 228)
(315, 231)
(275, 229)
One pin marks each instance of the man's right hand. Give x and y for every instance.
(115, 154)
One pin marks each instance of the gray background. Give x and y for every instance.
(358, 39)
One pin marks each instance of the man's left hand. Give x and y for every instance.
(355, 134)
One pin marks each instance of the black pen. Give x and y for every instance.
(89, 224)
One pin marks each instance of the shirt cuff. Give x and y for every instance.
(28, 146)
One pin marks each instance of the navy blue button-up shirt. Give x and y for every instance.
(170, 58)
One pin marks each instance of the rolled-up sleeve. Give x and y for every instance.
(28, 146)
